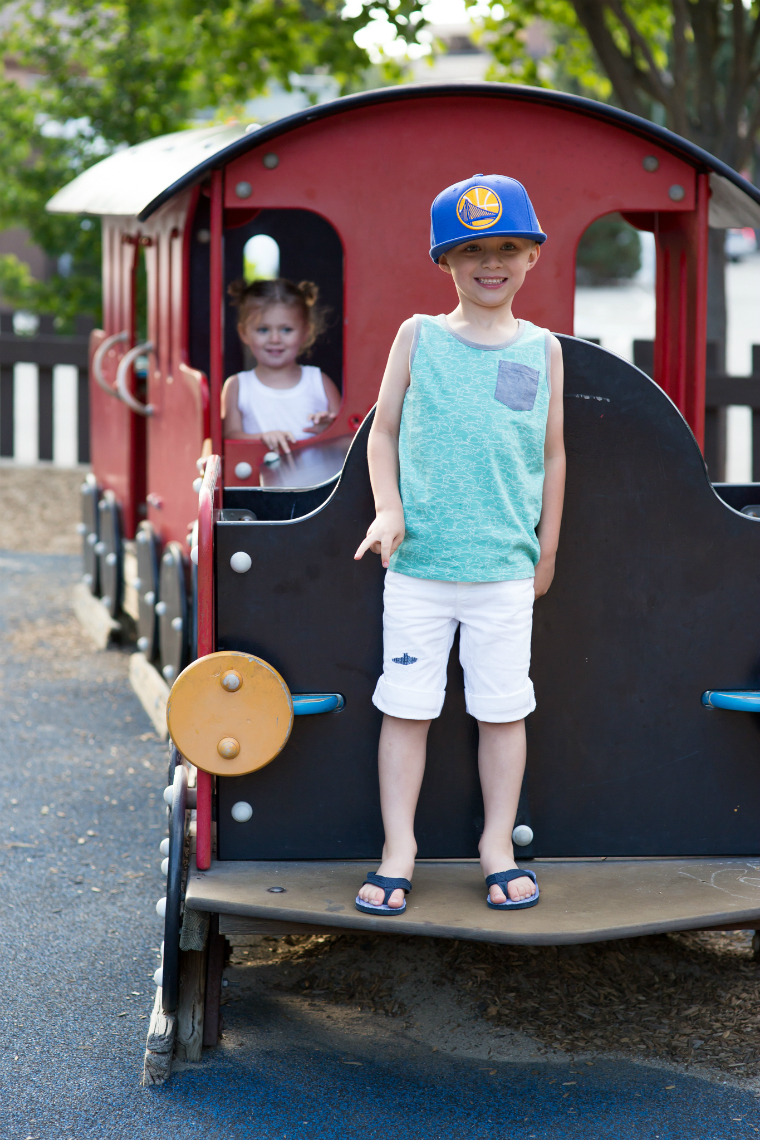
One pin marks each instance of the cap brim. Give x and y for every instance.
(437, 250)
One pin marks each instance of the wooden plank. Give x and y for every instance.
(94, 617)
(152, 692)
(244, 924)
(192, 993)
(159, 1050)
(581, 900)
(212, 1022)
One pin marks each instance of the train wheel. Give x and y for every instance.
(147, 590)
(110, 554)
(89, 530)
(172, 610)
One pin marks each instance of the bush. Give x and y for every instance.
(609, 251)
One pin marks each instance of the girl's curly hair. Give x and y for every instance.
(250, 297)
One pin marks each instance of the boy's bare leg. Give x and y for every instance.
(401, 763)
(501, 760)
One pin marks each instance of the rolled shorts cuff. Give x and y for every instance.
(408, 704)
(499, 710)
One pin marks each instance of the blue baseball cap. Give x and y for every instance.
(489, 204)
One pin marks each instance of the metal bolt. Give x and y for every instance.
(228, 748)
(276, 890)
(149, 598)
(241, 812)
(243, 470)
(522, 835)
(241, 562)
(650, 163)
(243, 189)
(160, 608)
(676, 193)
(270, 161)
(177, 624)
(231, 680)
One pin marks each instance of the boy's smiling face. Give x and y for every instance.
(490, 270)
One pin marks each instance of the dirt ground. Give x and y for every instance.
(40, 509)
(686, 1000)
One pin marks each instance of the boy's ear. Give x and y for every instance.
(535, 253)
(443, 264)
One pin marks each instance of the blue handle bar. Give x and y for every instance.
(305, 704)
(739, 700)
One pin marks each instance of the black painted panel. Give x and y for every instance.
(655, 600)
(45, 413)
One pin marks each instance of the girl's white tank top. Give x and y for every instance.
(281, 409)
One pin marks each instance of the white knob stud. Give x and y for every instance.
(137, 584)
(197, 484)
(158, 977)
(142, 644)
(81, 528)
(149, 598)
(177, 624)
(241, 812)
(194, 556)
(168, 672)
(160, 608)
(243, 470)
(169, 797)
(522, 835)
(92, 538)
(111, 559)
(272, 457)
(87, 579)
(100, 548)
(165, 867)
(240, 562)
(161, 907)
(163, 847)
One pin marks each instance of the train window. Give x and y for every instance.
(261, 258)
(309, 250)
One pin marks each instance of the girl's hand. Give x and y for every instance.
(320, 421)
(384, 535)
(276, 440)
(544, 575)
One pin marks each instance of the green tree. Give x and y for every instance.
(100, 76)
(691, 65)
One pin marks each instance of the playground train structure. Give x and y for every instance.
(642, 796)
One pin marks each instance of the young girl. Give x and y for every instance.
(278, 401)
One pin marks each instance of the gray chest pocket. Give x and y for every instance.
(516, 386)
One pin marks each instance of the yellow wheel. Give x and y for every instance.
(229, 713)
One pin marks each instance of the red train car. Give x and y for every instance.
(652, 557)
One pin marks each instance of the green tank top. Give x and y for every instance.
(471, 454)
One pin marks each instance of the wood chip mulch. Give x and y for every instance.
(690, 998)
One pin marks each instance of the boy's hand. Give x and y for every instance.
(384, 535)
(544, 574)
(276, 440)
(320, 421)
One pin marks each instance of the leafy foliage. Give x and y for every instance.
(100, 76)
(610, 250)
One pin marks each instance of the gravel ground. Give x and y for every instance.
(652, 1038)
(40, 509)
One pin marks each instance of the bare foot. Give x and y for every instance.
(393, 869)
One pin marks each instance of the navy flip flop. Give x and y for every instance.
(388, 886)
(501, 878)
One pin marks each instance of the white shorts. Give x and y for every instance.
(420, 617)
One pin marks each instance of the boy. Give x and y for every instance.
(467, 463)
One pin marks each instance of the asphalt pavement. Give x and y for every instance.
(81, 817)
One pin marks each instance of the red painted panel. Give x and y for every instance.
(373, 173)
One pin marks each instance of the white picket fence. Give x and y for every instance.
(26, 414)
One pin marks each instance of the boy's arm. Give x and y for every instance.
(387, 531)
(554, 477)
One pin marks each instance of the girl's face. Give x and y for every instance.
(275, 335)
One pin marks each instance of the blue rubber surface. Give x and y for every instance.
(78, 946)
(736, 701)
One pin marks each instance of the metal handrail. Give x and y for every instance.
(121, 380)
(97, 361)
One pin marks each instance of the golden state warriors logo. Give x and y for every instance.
(479, 208)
